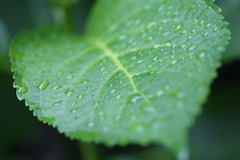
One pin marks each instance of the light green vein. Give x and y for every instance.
(108, 52)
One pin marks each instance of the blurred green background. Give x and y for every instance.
(215, 135)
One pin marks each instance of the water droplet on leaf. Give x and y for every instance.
(43, 85)
(80, 96)
(22, 89)
(136, 98)
(69, 91)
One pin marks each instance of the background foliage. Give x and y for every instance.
(215, 135)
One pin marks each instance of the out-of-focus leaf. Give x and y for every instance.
(4, 39)
(231, 12)
(4, 44)
(16, 15)
(41, 15)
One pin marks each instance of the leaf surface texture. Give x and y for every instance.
(138, 75)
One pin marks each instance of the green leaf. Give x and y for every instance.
(138, 75)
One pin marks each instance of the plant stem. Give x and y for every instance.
(183, 154)
(88, 151)
(63, 16)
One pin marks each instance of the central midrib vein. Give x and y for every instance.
(108, 52)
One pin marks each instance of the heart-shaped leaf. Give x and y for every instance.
(138, 75)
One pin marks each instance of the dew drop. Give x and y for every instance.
(80, 96)
(74, 103)
(56, 87)
(102, 68)
(180, 95)
(202, 55)
(191, 48)
(167, 43)
(182, 46)
(90, 124)
(105, 129)
(160, 9)
(179, 105)
(69, 77)
(69, 92)
(57, 103)
(113, 91)
(184, 31)
(117, 117)
(100, 113)
(90, 96)
(133, 118)
(136, 98)
(178, 27)
(208, 25)
(174, 62)
(166, 87)
(156, 126)
(76, 117)
(59, 73)
(202, 22)
(156, 46)
(119, 96)
(159, 93)
(43, 85)
(123, 37)
(147, 7)
(95, 104)
(193, 30)
(155, 58)
(134, 49)
(22, 89)
(150, 38)
(139, 129)
(205, 34)
(165, 34)
(85, 81)
(149, 109)
(190, 37)
(151, 24)
(133, 58)
(74, 111)
(140, 61)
